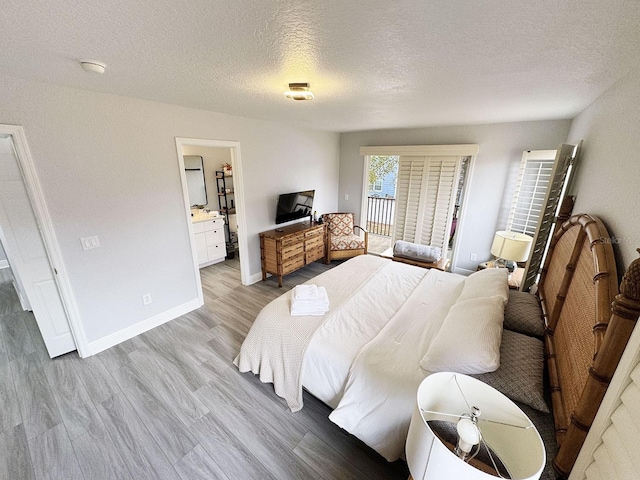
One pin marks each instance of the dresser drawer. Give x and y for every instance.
(314, 254)
(314, 242)
(292, 264)
(291, 250)
(316, 232)
(214, 236)
(198, 227)
(291, 239)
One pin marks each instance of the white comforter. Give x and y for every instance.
(276, 344)
(363, 357)
(380, 392)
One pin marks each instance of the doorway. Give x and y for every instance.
(29, 245)
(428, 205)
(381, 198)
(235, 219)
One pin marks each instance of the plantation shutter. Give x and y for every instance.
(547, 219)
(531, 190)
(617, 456)
(610, 450)
(425, 201)
(408, 189)
(442, 180)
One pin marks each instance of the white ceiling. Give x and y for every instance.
(371, 63)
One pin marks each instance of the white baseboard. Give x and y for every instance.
(4, 264)
(118, 337)
(255, 278)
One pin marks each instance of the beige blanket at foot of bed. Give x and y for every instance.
(276, 343)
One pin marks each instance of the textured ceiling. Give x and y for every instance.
(371, 63)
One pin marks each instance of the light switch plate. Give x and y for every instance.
(89, 243)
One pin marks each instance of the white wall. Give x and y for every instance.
(108, 167)
(501, 145)
(607, 185)
(607, 182)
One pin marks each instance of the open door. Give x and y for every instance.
(27, 254)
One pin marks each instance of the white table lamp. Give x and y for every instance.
(489, 419)
(511, 247)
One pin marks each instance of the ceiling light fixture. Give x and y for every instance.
(92, 66)
(299, 91)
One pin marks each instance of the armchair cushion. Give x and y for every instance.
(346, 242)
(339, 224)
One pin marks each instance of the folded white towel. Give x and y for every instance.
(316, 312)
(320, 299)
(305, 292)
(303, 307)
(319, 306)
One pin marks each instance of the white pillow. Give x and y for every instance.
(486, 283)
(469, 339)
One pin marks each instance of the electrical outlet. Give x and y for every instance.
(146, 299)
(346, 196)
(473, 257)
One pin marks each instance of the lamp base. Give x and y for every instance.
(510, 265)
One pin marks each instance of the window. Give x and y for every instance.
(377, 186)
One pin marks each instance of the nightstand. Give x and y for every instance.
(515, 278)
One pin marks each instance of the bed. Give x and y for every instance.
(384, 333)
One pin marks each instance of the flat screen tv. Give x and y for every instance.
(292, 206)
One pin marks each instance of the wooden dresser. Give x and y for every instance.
(285, 250)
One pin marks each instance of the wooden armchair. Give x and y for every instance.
(342, 241)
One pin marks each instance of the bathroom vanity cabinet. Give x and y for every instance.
(209, 237)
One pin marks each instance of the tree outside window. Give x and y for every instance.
(380, 167)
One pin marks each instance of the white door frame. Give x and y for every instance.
(364, 206)
(238, 185)
(43, 218)
(462, 214)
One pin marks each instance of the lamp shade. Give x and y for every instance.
(511, 246)
(505, 429)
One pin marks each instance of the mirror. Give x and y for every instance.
(194, 171)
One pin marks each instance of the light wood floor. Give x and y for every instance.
(167, 404)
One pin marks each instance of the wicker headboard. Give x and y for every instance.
(583, 341)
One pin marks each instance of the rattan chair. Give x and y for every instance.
(342, 241)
